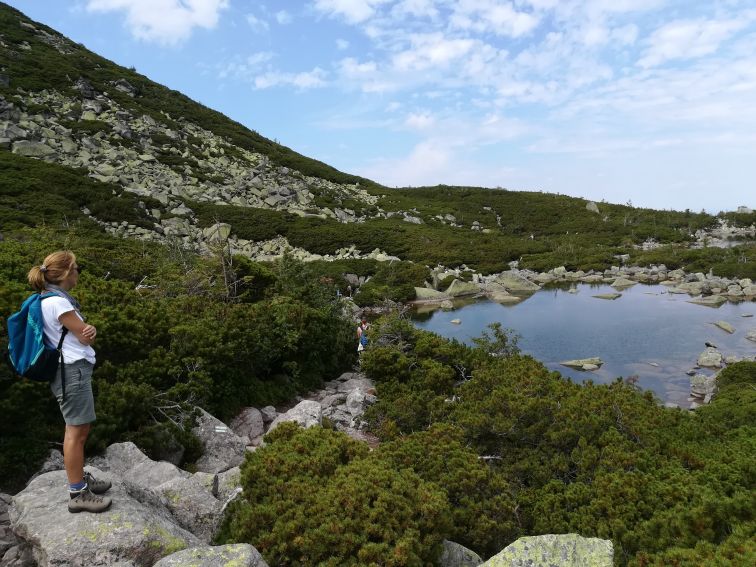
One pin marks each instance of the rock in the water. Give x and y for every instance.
(249, 423)
(514, 282)
(504, 297)
(725, 326)
(607, 295)
(459, 288)
(423, 293)
(223, 449)
(581, 363)
(710, 358)
(456, 321)
(132, 533)
(456, 555)
(234, 555)
(307, 414)
(709, 300)
(751, 335)
(564, 550)
(622, 283)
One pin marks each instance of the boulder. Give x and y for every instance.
(456, 321)
(751, 335)
(504, 297)
(709, 300)
(134, 532)
(306, 413)
(32, 149)
(458, 288)
(456, 555)
(564, 550)
(515, 283)
(233, 555)
(229, 483)
(357, 382)
(702, 386)
(223, 449)
(610, 296)
(710, 358)
(193, 505)
(725, 326)
(249, 423)
(423, 293)
(269, 413)
(127, 461)
(622, 283)
(592, 207)
(581, 363)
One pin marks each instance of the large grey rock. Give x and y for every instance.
(725, 326)
(32, 149)
(249, 422)
(456, 555)
(229, 483)
(710, 358)
(306, 413)
(223, 449)
(459, 288)
(622, 283)
(423, 293)
(592, 207)
(514, 282)
(581, 363)
(127, 461)
(269, 413)
(709, 300)
(234, 555)
(357, 382)
(701, 385)
(751, 335)
(564, 550)
(610, 296)
(132, 533)
(193, 506)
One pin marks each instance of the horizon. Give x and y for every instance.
(650, 103)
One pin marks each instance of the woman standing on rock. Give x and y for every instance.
(72, 386)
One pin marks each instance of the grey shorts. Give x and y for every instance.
(78, 407)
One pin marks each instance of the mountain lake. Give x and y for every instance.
(647, 333)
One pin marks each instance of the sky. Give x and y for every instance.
(651, 102)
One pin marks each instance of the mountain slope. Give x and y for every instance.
(178, 171)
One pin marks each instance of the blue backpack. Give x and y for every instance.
(27, 353)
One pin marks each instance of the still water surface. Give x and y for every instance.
(647, 332)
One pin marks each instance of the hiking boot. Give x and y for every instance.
(86, 501)
(96, 486)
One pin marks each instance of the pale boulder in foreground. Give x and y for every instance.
(235, 555)
(564, 550)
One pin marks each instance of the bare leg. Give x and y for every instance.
(73, 451)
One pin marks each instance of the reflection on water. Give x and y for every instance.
(646, 332)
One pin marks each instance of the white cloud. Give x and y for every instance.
(353, 68)
(432, 50)
(257, 24)
(167, 22)
(342, 44)
(491, 16)
(283, 17)
(687, 39)
(419, 120)
(303, 81)
(353, 11)
(416, 8)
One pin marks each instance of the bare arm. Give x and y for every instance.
(85, 333)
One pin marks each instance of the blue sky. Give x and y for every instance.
(649, 101)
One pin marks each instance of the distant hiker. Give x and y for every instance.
(362, 339)
(64, 324)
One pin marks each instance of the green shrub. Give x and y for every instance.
(339, 506)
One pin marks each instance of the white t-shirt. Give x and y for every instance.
(73, 350)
